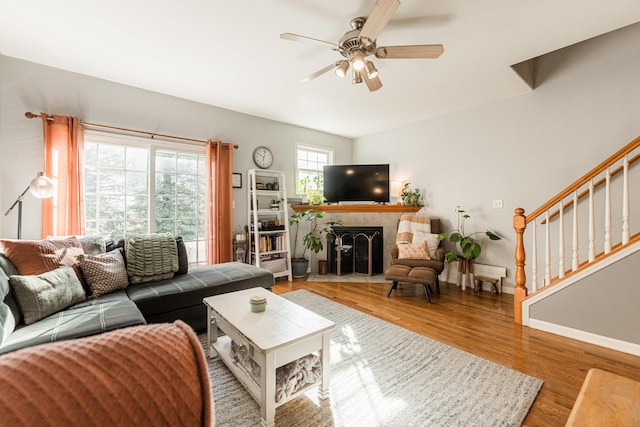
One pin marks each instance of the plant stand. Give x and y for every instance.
(465, 273)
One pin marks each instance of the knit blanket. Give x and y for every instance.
(410, 225)
(152, 375)
(289, 378)
(151, 257)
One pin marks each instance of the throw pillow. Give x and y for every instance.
(183, 260)
(93, 245)
(32, 257)
(151, 257)
(45, 294)
(431, 239)
(413, 250)
(104, 273)
(7, 269)
(7, 319)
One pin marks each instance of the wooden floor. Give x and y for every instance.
(482, 324)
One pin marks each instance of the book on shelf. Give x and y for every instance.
(270, 243)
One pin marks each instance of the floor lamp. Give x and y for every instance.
(41, 187)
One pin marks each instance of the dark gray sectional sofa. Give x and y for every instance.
(151, 302)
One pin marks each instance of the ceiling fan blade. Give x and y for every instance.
(427, 51)
(317, 73)
(373, 84)
(299, 38)
(380, 15)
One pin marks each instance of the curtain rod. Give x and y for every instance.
(30, 115)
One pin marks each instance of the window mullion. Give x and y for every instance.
(152, 188)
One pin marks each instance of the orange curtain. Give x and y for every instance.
(219, 202)
(63, 214)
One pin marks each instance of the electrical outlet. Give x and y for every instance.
(497, 204)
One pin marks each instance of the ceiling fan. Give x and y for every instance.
(359, 43)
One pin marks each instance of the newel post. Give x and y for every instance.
(520, 291)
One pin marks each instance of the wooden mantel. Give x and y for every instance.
(357, 208)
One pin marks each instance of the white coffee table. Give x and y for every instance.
(281, 334)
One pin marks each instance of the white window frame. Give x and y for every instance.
(196, 247)
(330, 152)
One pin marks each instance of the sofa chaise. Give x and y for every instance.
(164, 300)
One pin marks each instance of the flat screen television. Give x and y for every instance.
(356, 183)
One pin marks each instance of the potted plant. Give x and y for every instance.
(470, 248)
(411, 197)
(275, 204)
(312, 241)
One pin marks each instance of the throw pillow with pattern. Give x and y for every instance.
(104, 273)
(413, 250)
(432, 241)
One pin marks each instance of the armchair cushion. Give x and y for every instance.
(436, 263)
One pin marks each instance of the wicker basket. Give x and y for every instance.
(274, 265)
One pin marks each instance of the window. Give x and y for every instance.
(133, 185)
(309, 165)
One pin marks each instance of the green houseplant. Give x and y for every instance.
(411, 197)
(312, 241)
(470, 247)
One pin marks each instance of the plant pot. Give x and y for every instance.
(322, 267)
(299, 267)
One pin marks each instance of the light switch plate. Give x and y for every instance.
(497, 204)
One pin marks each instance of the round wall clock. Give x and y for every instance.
(262, 157)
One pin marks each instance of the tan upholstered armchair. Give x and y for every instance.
(436, 262)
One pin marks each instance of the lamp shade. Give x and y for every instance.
(42, 186)
(372, 71)
(396, 188)
(341, 69)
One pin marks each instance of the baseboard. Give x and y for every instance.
(485, 287)
(584, 336)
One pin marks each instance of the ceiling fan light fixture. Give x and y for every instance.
(372, 71)
(357, 77)
(341, 68)
(357, 60)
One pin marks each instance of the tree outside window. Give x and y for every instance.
(121, 197)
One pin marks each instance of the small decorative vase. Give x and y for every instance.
(258, 304)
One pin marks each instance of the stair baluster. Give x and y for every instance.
(604, 173)
(561, 241)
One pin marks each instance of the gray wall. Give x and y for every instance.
(525, 149)
(26, 86)
(611, 293)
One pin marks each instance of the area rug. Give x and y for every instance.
(347, 278)
(384, 375)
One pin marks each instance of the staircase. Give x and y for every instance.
(584, 230)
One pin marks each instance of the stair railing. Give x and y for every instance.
(604, 189)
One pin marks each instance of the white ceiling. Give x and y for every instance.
(228, 53)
